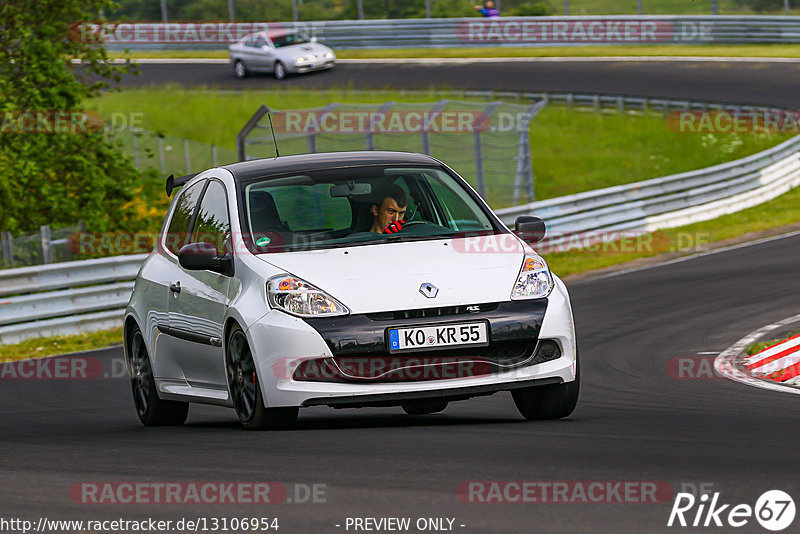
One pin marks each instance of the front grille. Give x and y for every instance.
(419, 366)
(432, 312)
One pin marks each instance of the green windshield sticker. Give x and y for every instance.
(263, 241)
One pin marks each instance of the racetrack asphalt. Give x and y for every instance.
(636, 421)
(764, 83)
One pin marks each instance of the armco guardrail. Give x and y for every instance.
(459, 32)
(65, 298)
(88, 295)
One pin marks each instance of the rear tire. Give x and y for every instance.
(245, 388)
(152, 410)
(424, 407)
(553, 401)
(240, 70)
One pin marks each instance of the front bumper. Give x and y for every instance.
(301, 69)
(281, 343)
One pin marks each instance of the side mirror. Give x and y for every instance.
(204, 257)
(314, 39)
(530, 229)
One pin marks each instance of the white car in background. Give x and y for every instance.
(273, 287)
(280, 53)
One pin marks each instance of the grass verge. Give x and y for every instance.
(761, 345)
(754, 50)
(52, 346)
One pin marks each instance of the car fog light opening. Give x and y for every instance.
(547, 350)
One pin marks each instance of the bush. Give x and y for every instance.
(56, 178)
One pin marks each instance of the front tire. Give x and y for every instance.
(240, 70)
(279, 70)
(152, 410)
(245, 388)
(553, 401)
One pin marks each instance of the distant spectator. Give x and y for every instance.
(488, 9)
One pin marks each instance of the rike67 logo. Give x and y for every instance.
(774, 510)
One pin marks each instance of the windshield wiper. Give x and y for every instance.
(399, 238)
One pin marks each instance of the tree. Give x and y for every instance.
(76, 173)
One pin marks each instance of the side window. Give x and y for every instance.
(213, 224)
(182, 216)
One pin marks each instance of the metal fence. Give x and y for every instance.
(508, 31)
(488, 143)
(45, 246)
(169, 153)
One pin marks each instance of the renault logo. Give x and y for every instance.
(429, 290)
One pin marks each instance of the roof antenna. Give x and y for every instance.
(277, 154)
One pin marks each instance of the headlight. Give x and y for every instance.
(328, 55)
(299, 61)
(534, 280)
(298, 297)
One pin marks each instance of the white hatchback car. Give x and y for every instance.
(344, 279)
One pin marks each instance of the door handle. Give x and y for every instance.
(175, 288)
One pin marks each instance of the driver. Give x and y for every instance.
(389, 209)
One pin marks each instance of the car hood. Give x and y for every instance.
(386, 277)
(302, 50)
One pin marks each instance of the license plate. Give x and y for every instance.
(449, 335)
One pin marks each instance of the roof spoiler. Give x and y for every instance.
(173, 182)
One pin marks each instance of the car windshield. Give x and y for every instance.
(359, 206)
(289, 39)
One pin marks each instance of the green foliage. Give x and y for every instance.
(763, 5)
(532, 8)
(56, 178)
(281, 10)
